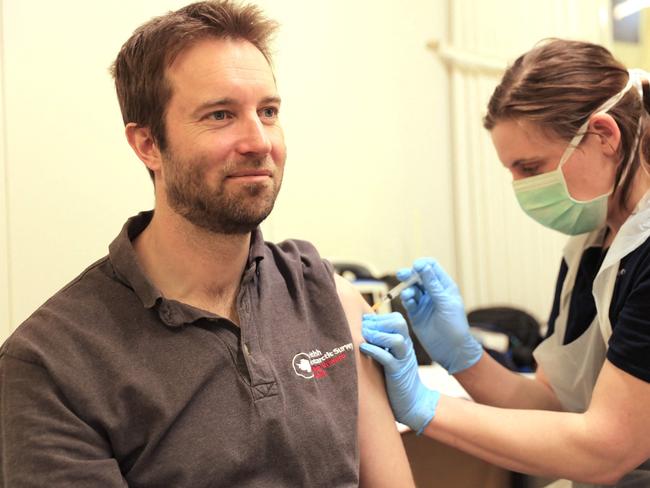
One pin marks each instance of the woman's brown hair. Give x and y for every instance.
(559, 84)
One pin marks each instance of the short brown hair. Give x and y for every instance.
(139, 69)
(558, 85)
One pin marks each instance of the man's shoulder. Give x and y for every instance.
(296, 252)
(71, 308)
(292, 247)
(298, 262)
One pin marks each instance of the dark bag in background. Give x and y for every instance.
(522, 329)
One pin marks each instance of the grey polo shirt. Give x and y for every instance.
(110, 384)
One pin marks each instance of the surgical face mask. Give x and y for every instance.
(545, 197)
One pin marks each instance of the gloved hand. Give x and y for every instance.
(437, 314)
(389, 344)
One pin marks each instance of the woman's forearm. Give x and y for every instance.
(554, 444)
(490, 383)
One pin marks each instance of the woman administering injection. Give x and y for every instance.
(571, 124)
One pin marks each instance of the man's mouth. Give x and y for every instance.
(250, 175)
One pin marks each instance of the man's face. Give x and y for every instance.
(223, 165)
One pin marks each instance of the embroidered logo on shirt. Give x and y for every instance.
(314, 364)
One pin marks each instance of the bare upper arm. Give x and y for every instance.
(540, 376)
(383, 459)
(553, 401)
(618, 417)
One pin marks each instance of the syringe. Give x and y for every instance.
(395, 291)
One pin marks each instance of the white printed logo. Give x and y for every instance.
(302, 366)
(315, 363)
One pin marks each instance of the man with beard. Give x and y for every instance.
(196, 354)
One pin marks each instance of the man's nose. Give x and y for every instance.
(254, 137)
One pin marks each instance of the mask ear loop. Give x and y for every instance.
(605, 107)
(573, 144)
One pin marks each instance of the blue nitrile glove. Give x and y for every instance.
(437, 314)
(389, 344)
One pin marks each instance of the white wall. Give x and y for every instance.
(364, 115)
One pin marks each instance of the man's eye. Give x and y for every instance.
(270, 112)
(219, 115)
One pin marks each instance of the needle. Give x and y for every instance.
(394, 292)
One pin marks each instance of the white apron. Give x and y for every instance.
(572, 369)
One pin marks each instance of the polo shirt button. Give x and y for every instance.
(165, 313)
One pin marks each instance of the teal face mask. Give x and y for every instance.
(546, 199)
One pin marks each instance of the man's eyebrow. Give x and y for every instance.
(221, 102)
(229, 102)
(274, 99)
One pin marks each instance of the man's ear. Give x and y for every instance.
(606, 128)
(144, 146)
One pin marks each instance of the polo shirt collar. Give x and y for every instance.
(127, 269)
(125, 262)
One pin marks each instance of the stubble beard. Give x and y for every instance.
(219, 210)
